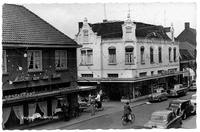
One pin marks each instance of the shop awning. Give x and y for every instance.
(138, 79)
(58, 92)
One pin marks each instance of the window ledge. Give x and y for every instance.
(129, 63)
(36, 71)
(86, 64)
(112, 63)
(62, 69)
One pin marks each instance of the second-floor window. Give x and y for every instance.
(34, 60)
(160, 55)
(174, 54)
(4, 62)
(151, 55)
(86, 57)
(170, 52)
(112, 55)
(129, 58)
(61, 59)
(142, 55)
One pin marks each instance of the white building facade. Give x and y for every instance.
(124, 51)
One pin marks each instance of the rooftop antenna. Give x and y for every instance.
(105, 18)
(164, 17)
(128, 11)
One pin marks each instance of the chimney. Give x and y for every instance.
(187, 25)
(105, 20)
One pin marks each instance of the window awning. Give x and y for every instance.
(58, 92)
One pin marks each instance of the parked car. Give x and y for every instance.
(177, 90)
(159, 95)
(183, 108)
(193, 102)
(164, 119)
(193, 87)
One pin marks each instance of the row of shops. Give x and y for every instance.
(131, 88)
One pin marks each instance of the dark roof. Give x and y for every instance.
(186, 55)
(188, 46)
(187, 35)
(114, 30)
(21, 26)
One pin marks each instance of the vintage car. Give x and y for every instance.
(159, 95)
(183, 108)
(193, 102)
(193, 87)
(177, 90)
(164, 119)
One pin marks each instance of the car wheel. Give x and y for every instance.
(184, 116)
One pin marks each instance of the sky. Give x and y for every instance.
(65, 17)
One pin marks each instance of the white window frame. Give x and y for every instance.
(129, 56)
(4, 62)
(61, 59)
(112, 57)
(36, 59)
(87, 58)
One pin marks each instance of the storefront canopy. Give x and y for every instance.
(58, 92)
(138, 79)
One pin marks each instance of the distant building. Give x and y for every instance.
(39, 68)
(126, 58)
(187, 40)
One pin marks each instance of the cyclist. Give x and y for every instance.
(127, 111)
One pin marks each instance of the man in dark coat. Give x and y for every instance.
(127, 110)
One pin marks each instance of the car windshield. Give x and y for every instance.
(174, 105)
(193, 97)
(159, 118)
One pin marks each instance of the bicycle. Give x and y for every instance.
(128, 120)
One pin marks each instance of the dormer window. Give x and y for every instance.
(128, 29)
(85, 33)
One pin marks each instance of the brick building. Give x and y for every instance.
(39, 68)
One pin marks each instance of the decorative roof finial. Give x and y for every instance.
(128, 16)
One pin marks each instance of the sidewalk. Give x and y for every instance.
(109, 107)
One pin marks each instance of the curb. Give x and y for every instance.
(98, 116)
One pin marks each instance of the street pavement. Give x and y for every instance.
(110, 117)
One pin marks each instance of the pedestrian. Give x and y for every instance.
(98, 100)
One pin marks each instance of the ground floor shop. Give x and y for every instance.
(117, 88)
(37, 110)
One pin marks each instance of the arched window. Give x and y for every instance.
(170, 50)
(142, 55)
(160, 55)
(85, 33)
(112, 55)
(151, 55)
(129, 58)
(174, 54)
(128, 29)
(86, 56)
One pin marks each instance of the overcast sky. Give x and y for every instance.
(65, 17)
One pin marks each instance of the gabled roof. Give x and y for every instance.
(21, 26)
(185, 55)
(113, 29)
(187, 35)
